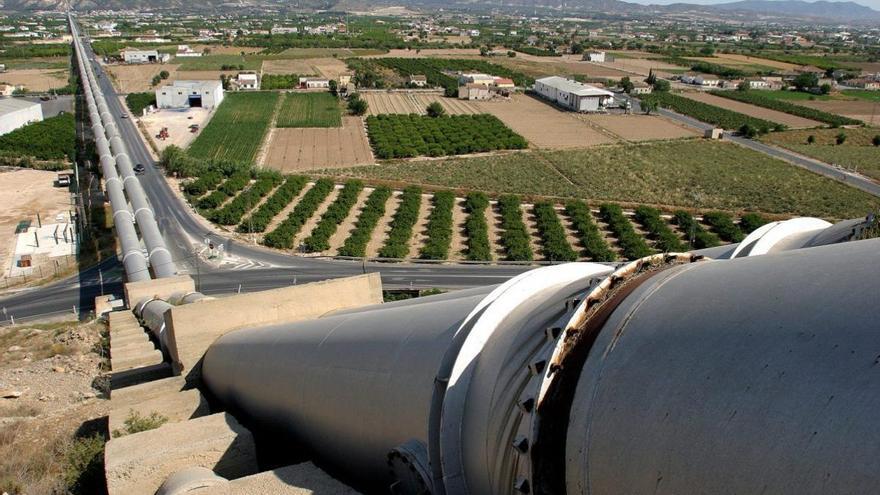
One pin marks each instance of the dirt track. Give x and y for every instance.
(292, 150)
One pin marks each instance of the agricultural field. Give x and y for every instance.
(433, 69)
(407, 136)
(53, 139)
(642, 66)
(428, 53)
(237, 128)
(309, 110)
(543, 125)
(858, 151)
(296, 149)
(721, 117)
(752, 66)
(867, 112)
(542, 66)
(757, 112)
(36, 80)
(312, 53)
(677, 174)
(137, 78)
(405, 103)
(636, 127)
(736, 59)
(220, 62)
(290, 66)
(757, 98)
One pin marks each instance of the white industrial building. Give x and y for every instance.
(573, 95)
(314, 82)
(595, 57)
(140, 56)
(16, 113)
(190, 94)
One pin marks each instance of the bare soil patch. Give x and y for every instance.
(297, 149)
(732, 58)
(862, 110)
(640, 127)
(137, 78)
(330, 68)
(544, 125)
(431, 52)
(25, 194)
(36, 79)
(404, 103)
(289, 66)
(177, 122)
(789, 120)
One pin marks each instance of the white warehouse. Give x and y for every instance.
(573, 95)
(190, 94)
(16, 113)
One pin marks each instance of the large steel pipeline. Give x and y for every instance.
(671, 375)
(114, 153)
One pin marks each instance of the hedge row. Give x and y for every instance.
(591, 237)
(755, 98)
(233, 211)
(553, 238)
(749, 222)
(406, 216)
(230, 187)
(374, 208)
(665, 239)
(439, 227)
(476, 228)
(259, 220)
(723, 225)
(698, 237)
(203, 184)
(283, 236)
(632, 244)
(319, 240)
(514, 236)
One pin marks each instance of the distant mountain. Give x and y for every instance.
(797, 8)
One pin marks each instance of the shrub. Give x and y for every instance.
(811, 139)
(697, 236)
(233, 211)
(435, 109)
(665, 239)
(631, 243)
(135, 423)
(137, 102)
(514, 236)
(840, 138)
(374, 208)
(749, 222)
(50, 139)
(203, 184)
(476, 228)
(876, 140)
(439, 227)
(84, 463)
(319, 240)
(723, 225)
(405, 218)
(260, 219)
(553, 238)
(283, 236)
(591, 237)
(356, 105)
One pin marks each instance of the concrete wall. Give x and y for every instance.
(160, 288)
(192, 328)
(20, 118)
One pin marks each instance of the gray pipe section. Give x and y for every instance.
(133, 259)
(114, 154)
(743, 376)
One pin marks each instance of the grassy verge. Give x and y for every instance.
(694, 174)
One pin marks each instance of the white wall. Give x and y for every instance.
(178, 97)
(20, 118)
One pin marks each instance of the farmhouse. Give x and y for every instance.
(144, 56)
(474, 92)
(186, 51)
(641, 88)
(313, 82)
(473, 78)
(247, 81)
(594, 57)
(573, 95)
(190, 94)
(504, 83)
(418, 80)
(869, 84)
(701, 80)
(15, 113)
(758, 83)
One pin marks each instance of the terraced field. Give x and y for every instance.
(346, 220)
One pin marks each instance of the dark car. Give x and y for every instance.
(139, 169)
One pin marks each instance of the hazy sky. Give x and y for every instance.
(874, 4)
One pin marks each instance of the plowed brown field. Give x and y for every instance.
(296, 149)
(380, 103)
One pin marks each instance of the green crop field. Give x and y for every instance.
(721, 117)
(50, 139)
(862, 94)
(690, 174)
(309, 110)
(237, 128)
(784, 94)
(857, 152)
(218, 62)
